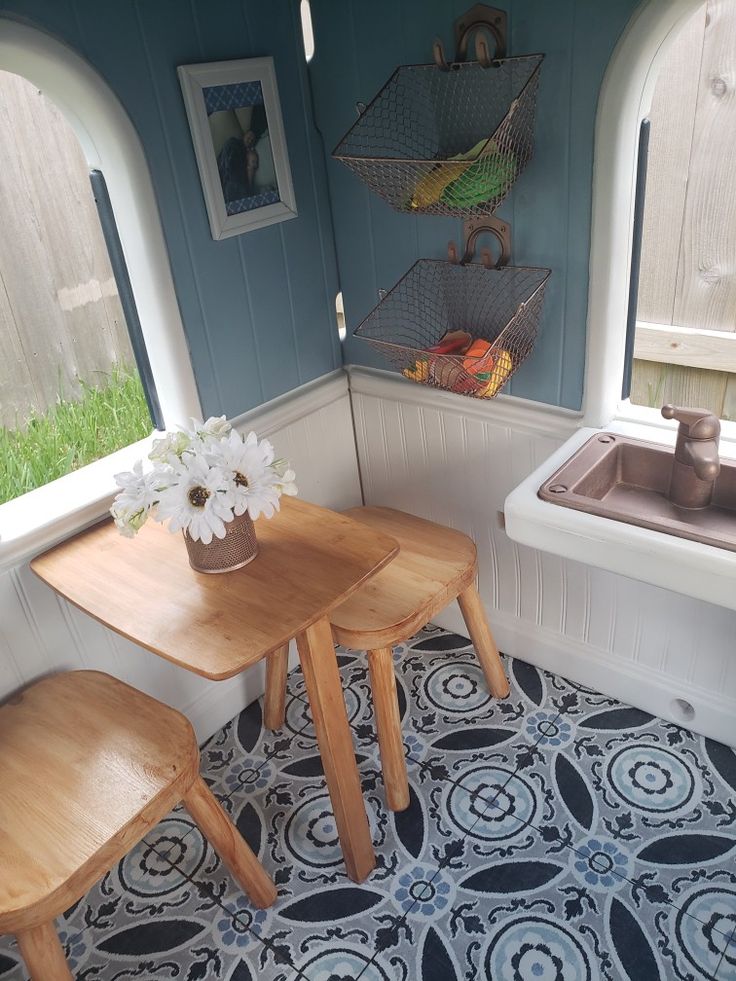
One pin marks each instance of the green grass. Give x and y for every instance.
(74, 433)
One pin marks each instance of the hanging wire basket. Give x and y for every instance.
(457, 325)
(449, 138)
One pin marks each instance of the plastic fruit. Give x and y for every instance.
(445, 373)
(485, 179)
(453, 342)
(430, 188)
(501, 371)
(418, 371)
(480, 357)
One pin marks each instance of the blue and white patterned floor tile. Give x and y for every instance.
(663, 796)
(147, 919)
(449, 710)
(318, 905)
(245, 744)
(524, 907)
(727, 970)
(237, 756)
(556, 834)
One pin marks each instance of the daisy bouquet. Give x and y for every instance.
(201, 479)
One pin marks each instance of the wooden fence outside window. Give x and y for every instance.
(60, 314)
(685, 346)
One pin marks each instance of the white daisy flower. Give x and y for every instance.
(248, 464)
(128, 523)
(262, 496)
(286, 484)
(216, 427)
(198, 500)
(202, 479)
(138, 494)
(170, 448)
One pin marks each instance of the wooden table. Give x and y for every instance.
(310, 560)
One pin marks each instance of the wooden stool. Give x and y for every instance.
(435, 565)
(88, 766)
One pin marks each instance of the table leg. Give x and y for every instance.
(274, 701)
(324, 690)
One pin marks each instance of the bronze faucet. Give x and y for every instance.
(696, 464)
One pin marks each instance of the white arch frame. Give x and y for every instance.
(625, 99)
(110, 143)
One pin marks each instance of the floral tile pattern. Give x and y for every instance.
(556, 835)
(525, 908)
(147, 919)
(240, 756)
(317, 902)
(662, 796)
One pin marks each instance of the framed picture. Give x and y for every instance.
(238, 134)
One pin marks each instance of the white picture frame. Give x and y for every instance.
(238, 135)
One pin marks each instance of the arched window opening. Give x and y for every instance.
(684, 333)
(111, 146)
(625, 102)
(70, 389)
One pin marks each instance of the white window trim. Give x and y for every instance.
(625, 100)
(48, 514)
(667, 561)
(110, 143)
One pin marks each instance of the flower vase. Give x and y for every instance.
(235, 550)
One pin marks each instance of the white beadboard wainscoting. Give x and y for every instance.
(42, 633)
(454, 460)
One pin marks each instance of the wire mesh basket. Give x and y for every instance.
(448, 139)
(235, 550)
(457, 325)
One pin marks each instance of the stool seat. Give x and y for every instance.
(433, 566)
(85, 763)
(88, 766)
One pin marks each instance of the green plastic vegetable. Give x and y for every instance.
(429, 189)
(485, 179)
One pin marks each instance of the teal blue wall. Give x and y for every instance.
(359, 43)
(258, 308)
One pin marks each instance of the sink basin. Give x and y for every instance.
(627, 479)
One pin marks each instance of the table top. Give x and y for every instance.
(310, 559)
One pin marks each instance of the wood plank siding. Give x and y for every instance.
(688, 270)
(60, 315)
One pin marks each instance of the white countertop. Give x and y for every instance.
(687, 567)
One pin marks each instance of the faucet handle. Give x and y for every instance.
(694, 423)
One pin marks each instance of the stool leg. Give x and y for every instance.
(224, 837)
(43, 954)
(388, 724)
(485, 646)
(274, 701)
